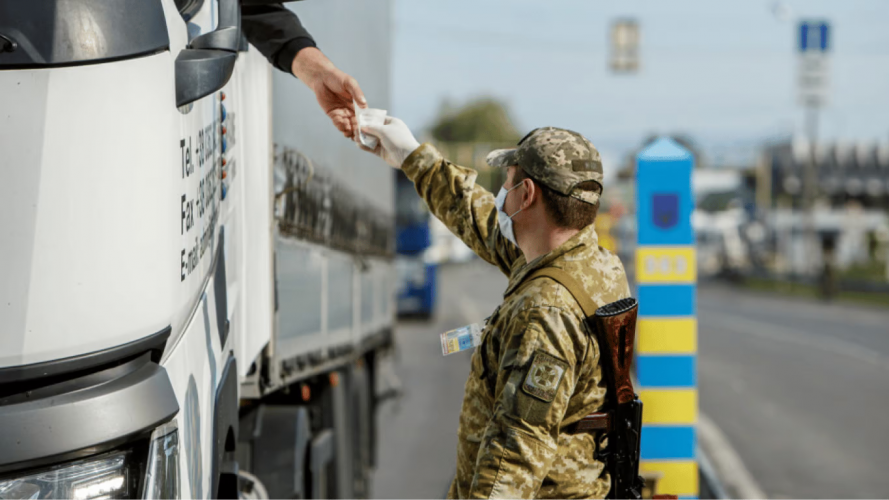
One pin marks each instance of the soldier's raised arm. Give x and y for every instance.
(449, 191)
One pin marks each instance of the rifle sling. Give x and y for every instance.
(589, 310)
(566, 280)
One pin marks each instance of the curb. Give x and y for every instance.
(726, 467)
(711, 485)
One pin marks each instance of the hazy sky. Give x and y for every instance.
(723, 72)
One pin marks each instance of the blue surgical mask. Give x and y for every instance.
(504, 220)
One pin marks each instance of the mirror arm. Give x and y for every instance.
(227, 35)
(207, 64)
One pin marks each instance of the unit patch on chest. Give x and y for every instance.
(544, 376)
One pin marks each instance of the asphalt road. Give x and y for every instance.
(799, 388)
(418, 433)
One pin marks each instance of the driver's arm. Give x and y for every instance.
(276, 32)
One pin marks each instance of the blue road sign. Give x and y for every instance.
(814, 36)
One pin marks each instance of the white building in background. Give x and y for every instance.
(851, 201)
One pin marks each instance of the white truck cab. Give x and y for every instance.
(176, 274)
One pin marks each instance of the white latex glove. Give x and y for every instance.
(396, 141)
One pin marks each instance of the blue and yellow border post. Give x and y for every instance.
(666, 362)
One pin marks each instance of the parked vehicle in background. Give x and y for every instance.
(416, 267)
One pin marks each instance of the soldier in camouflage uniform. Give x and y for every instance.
(537, 371)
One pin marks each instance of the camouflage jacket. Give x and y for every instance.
(537, 369)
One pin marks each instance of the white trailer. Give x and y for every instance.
(195, 267)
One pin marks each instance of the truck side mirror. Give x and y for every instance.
(200, 72)
(207, 64)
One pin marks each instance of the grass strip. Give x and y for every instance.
(812, 292)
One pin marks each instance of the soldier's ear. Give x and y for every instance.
(531, 190)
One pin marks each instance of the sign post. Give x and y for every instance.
(813, 40)
(813, 43)
(666, 363)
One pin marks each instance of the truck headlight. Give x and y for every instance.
(162, 476)
(106, 476)
(112, 475)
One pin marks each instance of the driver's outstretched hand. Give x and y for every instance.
(334, 89)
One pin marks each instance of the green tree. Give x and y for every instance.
(482, 120)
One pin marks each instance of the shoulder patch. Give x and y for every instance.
(544, 376)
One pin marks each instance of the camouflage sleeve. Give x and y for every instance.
(535, 380)
(466, 208)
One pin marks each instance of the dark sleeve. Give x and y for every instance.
(276, 32)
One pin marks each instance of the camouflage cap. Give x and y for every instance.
(560, 159)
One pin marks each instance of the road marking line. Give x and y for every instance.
(795, 336)
(728, 464)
